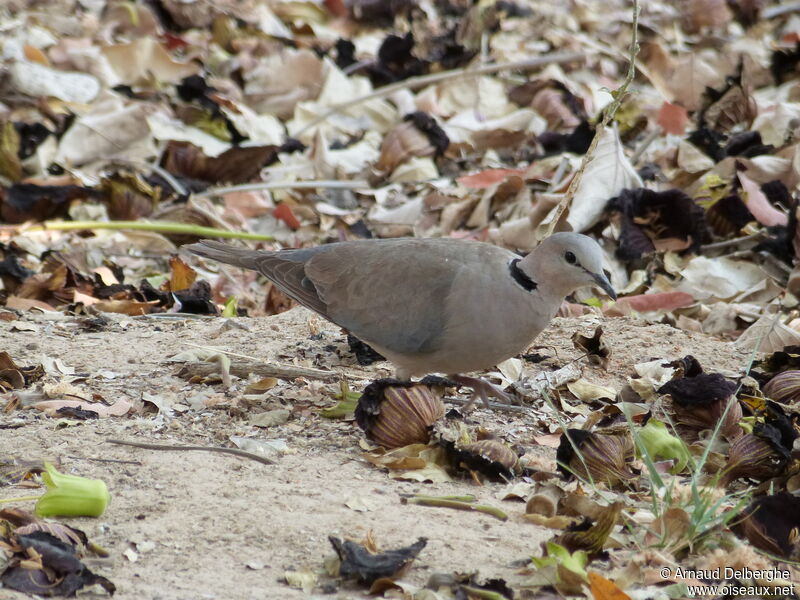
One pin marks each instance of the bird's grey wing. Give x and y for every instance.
(285, 268)
(390, 294)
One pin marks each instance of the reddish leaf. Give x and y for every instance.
(336, 7)
(285, 214)
(488, 178)
(649, 302)
(673, 118)
(758, 204)
(172, 41)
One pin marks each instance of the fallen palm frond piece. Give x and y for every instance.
(457, 502)
(157, 227)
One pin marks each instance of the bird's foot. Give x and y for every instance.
(482, 390)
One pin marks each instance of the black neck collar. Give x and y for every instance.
(521, 278)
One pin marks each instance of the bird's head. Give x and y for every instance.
(569, 261)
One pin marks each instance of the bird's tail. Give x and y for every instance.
(225, 253)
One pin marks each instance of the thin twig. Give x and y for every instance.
(423, 80)
(281, 185)
(234, 451)
(502, 407)
(645, 144)
(608, 114)
(779, 10)
(734, 242)
(107, 460)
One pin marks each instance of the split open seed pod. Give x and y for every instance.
(490, 457)
(393, 413)
(591, 534)
(699, 402)
(784, 387)
(771, 523)
(759, 455)
(596, 457)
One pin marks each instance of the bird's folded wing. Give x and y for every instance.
(392, 295)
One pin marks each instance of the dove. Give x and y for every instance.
(435, 305)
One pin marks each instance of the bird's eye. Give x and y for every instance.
(570, 258)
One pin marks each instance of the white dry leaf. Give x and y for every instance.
(466, 126)
(145, 60)
(510, 371)
(271, 449)
(304, 125)
(545, 382)
(606, 175)
(162, 402)
(586, 391)
(267, 21)
(776, 123)
(109, 129)
(718, 278)
(519, 490)
(346, 161)
(635, 285)
(64, 388)
(765, 168)
(762, 293)
(768, 334)
(419, 168)
(283, 80)
(691, 159)
(376, 114)
(55, 366)
(485, 95)
(654, 372)
(360, 503)
(163, 127)
(407, 213)
(260, 129)
(431, 473)
(515, 233)
(33, 79)
(270, 418)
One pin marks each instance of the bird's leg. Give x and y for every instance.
(482, 390)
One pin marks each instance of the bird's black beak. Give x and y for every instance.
(605, 284)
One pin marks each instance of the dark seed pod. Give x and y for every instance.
(490, 457)
(758, 455)
(395, 414)
(598, 458)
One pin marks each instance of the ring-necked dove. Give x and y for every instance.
(431, 305)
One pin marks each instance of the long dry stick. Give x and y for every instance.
(610, 111)
(423, 80)
(170, 447)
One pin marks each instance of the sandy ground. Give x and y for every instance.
(197, 525)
